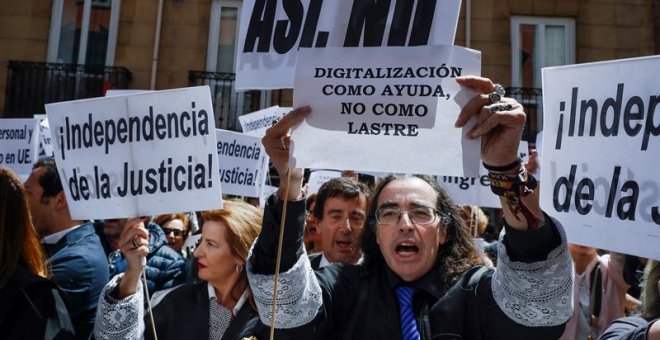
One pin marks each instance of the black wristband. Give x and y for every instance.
(503, 168)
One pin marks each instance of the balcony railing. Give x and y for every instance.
(31, 85)
(227, 103)
(532, 100)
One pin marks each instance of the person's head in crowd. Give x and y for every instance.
(227, 235)
(340, 213)
(651, 290)
(112, 229)
(475, 218)
(413, 227)
(176, 228)
(312, 234)
(582, 256)
(48, 205)
(18, 240)
(253, 201)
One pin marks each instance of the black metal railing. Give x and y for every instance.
(532, 101)
(227, 103)
(31, 85)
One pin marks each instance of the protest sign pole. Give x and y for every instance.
(279, 255)
(146, 290)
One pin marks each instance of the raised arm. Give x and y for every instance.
(500, 126)
(533, 275)
(299, 294)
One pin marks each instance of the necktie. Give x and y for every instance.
(408, 325)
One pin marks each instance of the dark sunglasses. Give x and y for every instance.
(177, 232)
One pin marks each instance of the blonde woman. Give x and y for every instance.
(220, 307)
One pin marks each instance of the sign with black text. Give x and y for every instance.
(137, 155)
(243, 163)
(600, 153)
(16, 145)
(395, 115)
(476, 190)
(272, 31)
(256, 123)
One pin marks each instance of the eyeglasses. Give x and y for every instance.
(421, 215)
(177, 232)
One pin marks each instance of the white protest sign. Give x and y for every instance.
(191, 243)
(243, 163)
(137, 155)
(271, 32)
(16, 147)
(256, 123)
(116, 92)
(318, 177)
(476, 190)
(395, 115)
(42, 143)
(600, 153)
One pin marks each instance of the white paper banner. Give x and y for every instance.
(601, 153)
(256, 123)
(318, 177)
(243, 163)
(271, 32)
(476, 190)
(137, 155)
(42, 144)
(16, 147)
(397, 115)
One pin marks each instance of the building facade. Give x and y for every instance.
(69, 49)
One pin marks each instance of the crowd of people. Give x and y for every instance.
(400, 260)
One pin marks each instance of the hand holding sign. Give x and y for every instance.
(500, 131)
(134, 244)
(277, 141)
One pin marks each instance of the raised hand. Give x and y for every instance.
(500, 131)
(276, 141)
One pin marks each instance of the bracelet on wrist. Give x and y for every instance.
(512, 188)
(503, 168)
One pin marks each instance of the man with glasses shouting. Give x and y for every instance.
(422, 277)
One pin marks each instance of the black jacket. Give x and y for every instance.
(184, 314)
(28, 304)
(359, 302)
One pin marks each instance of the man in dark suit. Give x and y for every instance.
(340, 212)
(74, 252)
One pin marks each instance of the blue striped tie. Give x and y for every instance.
(408, 325)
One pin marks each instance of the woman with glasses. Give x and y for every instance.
(421, 277)
(219, 307)
(176, 228)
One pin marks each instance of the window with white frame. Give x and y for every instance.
(536, 43)
(539, 42)
(221, 55)
(83, 31)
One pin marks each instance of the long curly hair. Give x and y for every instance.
(455, 256)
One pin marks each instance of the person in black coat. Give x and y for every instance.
(422, 276)
(32, 307)
(220, 307)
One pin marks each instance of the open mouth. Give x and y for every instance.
(344, 245)
(406, 249)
